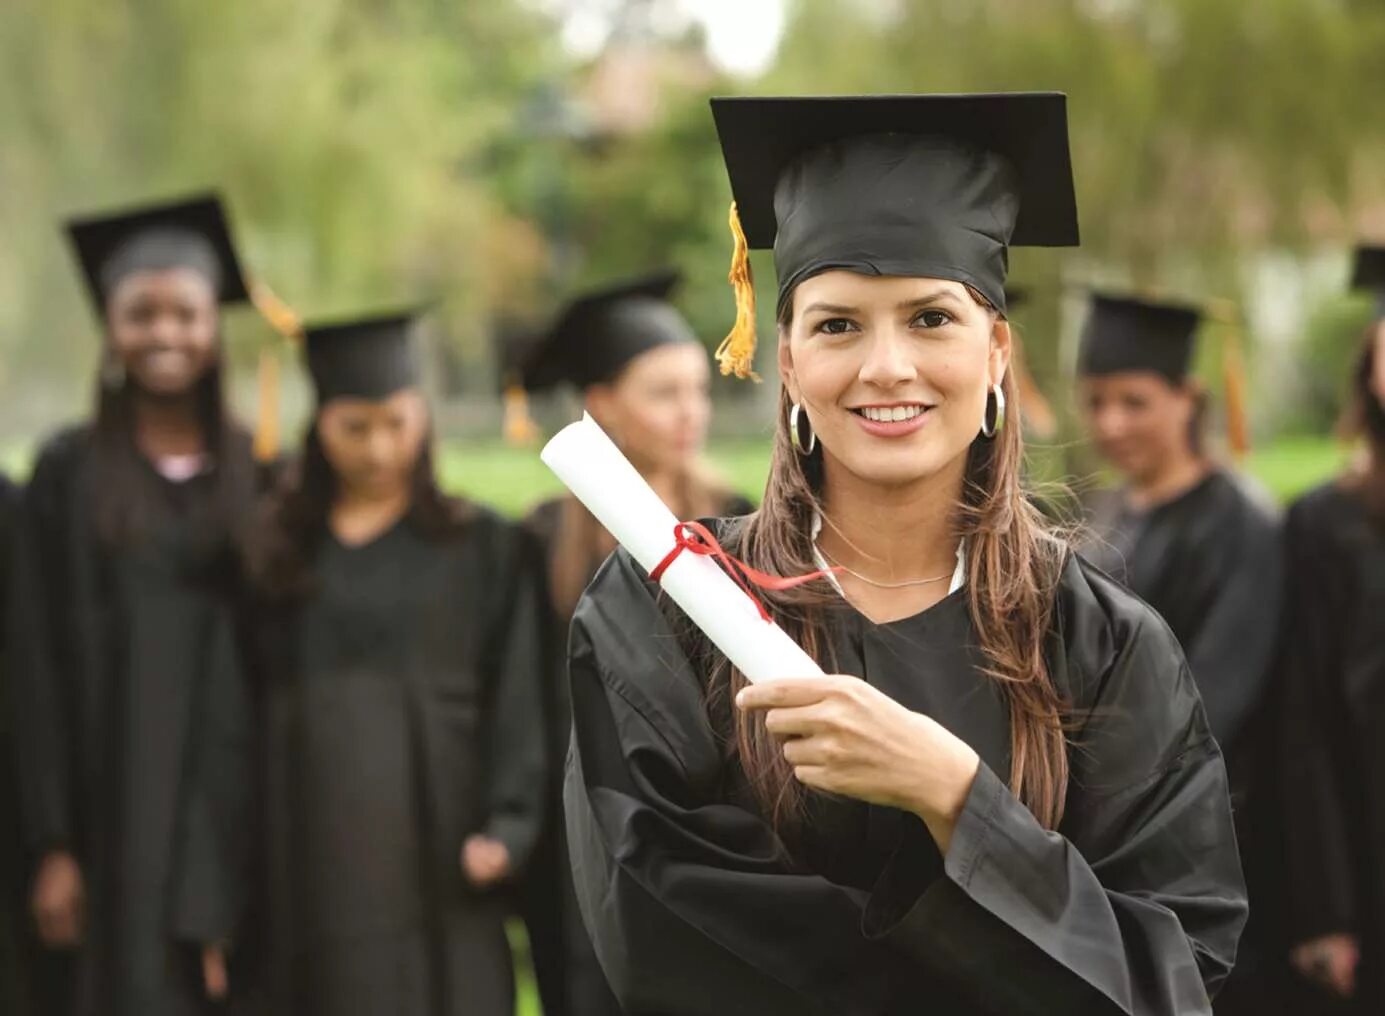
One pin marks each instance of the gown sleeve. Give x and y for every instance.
(1314, 726)
(212, 885)
(518, 746)
(1231, 655)
(1138, 901)
(41, 700)
(692, 903)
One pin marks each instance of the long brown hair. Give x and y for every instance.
(1013, 563)
(1365, 418)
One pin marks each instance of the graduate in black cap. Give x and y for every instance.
(644, 376)
(1332, 711)
(1007, 799)
(1184, 533)
(126, 683)
(395, 637)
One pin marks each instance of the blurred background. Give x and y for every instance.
(492, 156)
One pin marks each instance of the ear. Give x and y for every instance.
(1001, 345)
(786, 368)
(598, 401)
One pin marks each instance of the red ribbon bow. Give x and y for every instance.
(697, 539)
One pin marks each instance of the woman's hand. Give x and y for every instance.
(215, 981)
(59, 901)
(1329, 961)
(845, 737)
(485, 861)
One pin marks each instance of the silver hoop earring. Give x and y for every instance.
(992, 420)
(799, 422)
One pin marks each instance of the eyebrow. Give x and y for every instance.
(927, 298)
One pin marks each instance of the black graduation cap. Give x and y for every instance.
(911, 185)
(188, 233)
(369, 357)
(1126, 333)
(1368, 272)
(602, 330)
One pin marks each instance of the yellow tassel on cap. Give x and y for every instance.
(286, 322)
(519, 427)
(1233, 378)
(736, 354)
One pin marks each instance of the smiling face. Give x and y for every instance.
(658, 407)
(1138, 420)
(373, 445)
(162, 325)
(893, 372)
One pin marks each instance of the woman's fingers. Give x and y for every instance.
(789, 692)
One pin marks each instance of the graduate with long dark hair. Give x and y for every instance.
(645, 377)
(1332, 713)
(1004, 798)
(396, 646)
(126, 684)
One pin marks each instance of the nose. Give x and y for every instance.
(888, 363)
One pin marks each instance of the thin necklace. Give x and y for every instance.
(884, 585)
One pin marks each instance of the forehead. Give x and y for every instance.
(359, 407)
(1129, 382)
(180, 283)
(844, 288)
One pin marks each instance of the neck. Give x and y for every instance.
(892, 535)
(168, 426)
(1184, 471)
(357, 515)
(667, 484)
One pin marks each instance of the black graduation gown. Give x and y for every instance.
(696, 906)
(569, 978)
(14, 910)
(1332, 727)
(133, 715)
(1208, 561)
(402, 716)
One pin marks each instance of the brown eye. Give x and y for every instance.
(836, 326)
(933, 318)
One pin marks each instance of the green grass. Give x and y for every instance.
(513, 480)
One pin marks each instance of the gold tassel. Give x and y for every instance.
(286, 322)
(1035, 407)
(1233, 367)
(267, 406)
(736, 354)
(519, 427)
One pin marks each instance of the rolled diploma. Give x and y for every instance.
(599, 476)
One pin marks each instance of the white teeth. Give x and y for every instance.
(891, 414)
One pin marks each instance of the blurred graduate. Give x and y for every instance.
(1187, 534)
(395, 641)
(128, 698)
(1006, 797)
(1195, 542)
(1332, 715)
(645, 378)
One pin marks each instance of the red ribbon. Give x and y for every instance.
(697, 539)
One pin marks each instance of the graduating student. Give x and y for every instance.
(1332, 723)
(644, 377)
(125, 682)
(1183, 533)
(396, 642)
(1007, 799)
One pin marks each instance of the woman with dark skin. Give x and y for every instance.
(645, 378)
(395, 641)
(1003, 797)
(125, 679)
(1332, 710)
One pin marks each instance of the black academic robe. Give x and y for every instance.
(401, 717)
(14, 910)
(1332, 727)
(133, 709)
(569, 978)
(697, 906)
(1208, 561)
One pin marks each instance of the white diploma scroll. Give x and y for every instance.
(599, 476)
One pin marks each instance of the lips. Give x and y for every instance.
(892, 421)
